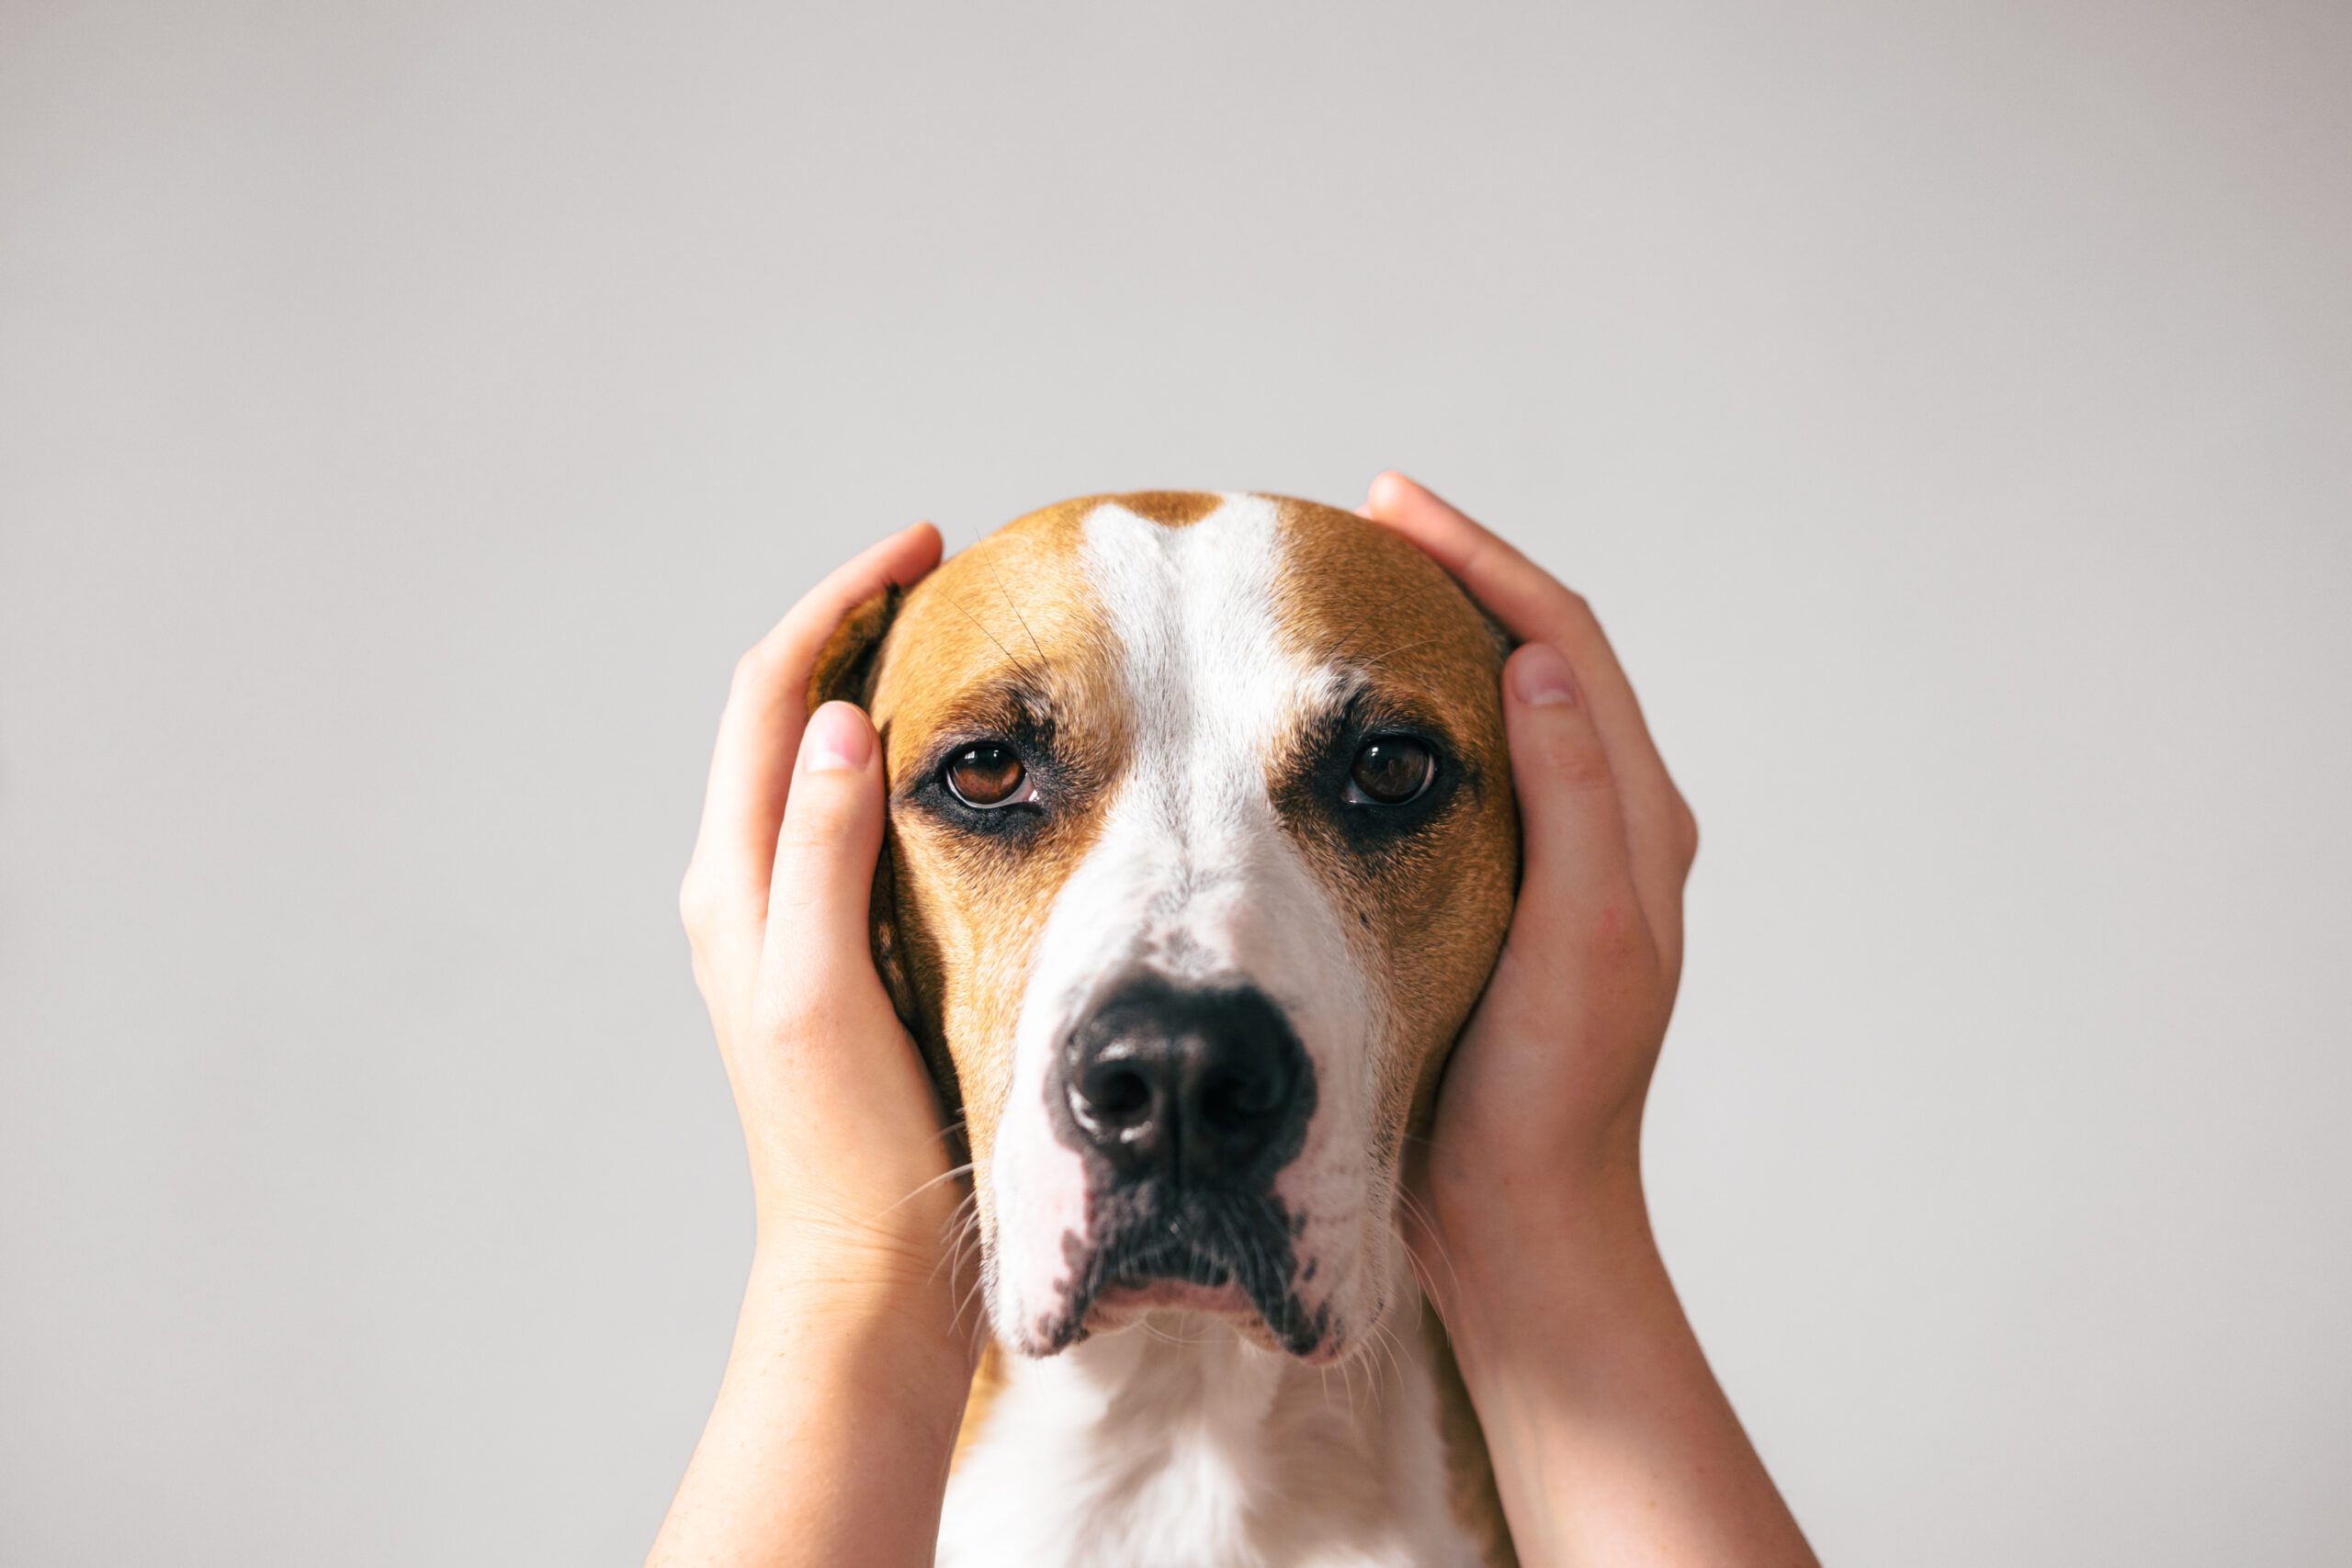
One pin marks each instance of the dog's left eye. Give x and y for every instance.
(1390, 769)
(987, 775)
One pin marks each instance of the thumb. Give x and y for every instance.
(821, 891)
(1577, 876)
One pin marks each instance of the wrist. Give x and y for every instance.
(1549, 1271)
(893, 1304)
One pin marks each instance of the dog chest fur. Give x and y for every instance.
(1204, 1451)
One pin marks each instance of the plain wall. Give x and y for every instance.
(408, 412)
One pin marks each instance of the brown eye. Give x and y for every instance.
(985, 775)
(1392, 769)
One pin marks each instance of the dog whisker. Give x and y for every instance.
(1422, 1220)
(1010, 657)
(1396, 651)
(949, 1175)
(999, 573)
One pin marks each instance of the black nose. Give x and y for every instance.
(1205, 1087)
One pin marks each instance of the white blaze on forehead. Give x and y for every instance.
(1193, 854)
(1209, 682)
(1193, 875)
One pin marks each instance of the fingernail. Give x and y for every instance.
(1542, 678)
(838, 738)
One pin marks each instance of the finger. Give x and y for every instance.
(818, 949)
(760, 732)
(1577, 902)
(1528, 599)
(1660, 834)
(848, 1106)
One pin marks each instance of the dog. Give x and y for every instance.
(1202, 846)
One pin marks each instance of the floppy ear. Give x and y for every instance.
(845, 671)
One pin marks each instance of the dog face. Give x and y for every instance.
(1202, 845)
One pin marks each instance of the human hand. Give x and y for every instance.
(849, 1168)
(1537, 1139)
(1611, 1441)
(830, 1439)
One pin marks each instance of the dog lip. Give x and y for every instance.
(1225, 1298)
(1209, 1253)
(1192, 1265)
(1172, 1266)
(1171, 1274)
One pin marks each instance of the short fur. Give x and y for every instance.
(1134, 660)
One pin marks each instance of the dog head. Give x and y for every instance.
(1202, 845)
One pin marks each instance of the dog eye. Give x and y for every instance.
(987, 775)
(1390, 769)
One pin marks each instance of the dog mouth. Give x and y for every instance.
(1169, 1273)
(1214, 1255)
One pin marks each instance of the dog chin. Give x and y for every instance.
(1123, 1303)
(1183, 1311)
(1185, 1314)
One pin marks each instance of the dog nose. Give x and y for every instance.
(1205, 1087)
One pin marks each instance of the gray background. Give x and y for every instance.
(406, 413)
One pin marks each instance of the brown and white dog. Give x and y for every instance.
(1202, 845)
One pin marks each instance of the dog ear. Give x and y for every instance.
(845, 671)
(1504, 642)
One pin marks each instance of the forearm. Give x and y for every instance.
(1611, 1441)
(831, 1435)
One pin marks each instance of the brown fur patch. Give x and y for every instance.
(1170, 508)
(1361, 597)
(1007, 632)
(845, 667)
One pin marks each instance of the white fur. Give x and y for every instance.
(1193, 875)
(1176, 1442)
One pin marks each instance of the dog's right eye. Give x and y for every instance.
(987, 775)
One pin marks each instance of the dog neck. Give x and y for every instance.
(1177, 1442)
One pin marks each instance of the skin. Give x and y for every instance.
(836, 1420)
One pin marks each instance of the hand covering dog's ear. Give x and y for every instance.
(845, 672)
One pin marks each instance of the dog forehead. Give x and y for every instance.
(1359, 598)
(1016, 603)
(1235, 598)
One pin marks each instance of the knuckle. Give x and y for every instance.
(695, 903)
(706, 906)
(1575, 612)
(758, 666)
